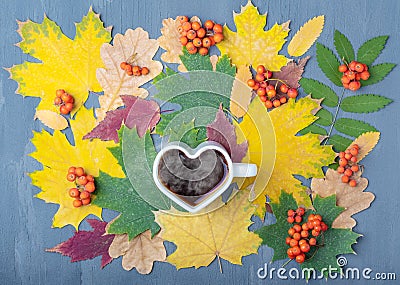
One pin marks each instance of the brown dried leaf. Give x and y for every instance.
(353, 199)
(169, 40)
(292, 72)
(366, 142)
(134, 46)
(141, 252)
(241, 93)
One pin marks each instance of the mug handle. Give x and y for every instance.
(244, 169)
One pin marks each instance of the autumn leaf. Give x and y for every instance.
(51, 119)
(241, 93)
(186, 133)
(65, 63)
(139, 113)
(301, 155)
(222, 233)
(56, 155)
(169, 40)
(223, 132)
(306, 36)
(353, 199)
(366, 142)
(87, 244)
(291, 73)
(139, 253)
(134, 47)
(250, 44)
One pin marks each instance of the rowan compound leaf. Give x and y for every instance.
(222, 233)
(56, 155)
(339, 142)
(329, 64)
(241, 93)
(64, 63)
(302, 155)
(365, 103)
(140, 113)
(87, 244)
(366, 142)
(169, 40)
(51, 119)
(378, 72)
(306, 36)
(343, 47)
(223, 132)
(139, 253)
(250, 44)
(353, 199)
(318, 90)
(134, 47)
(353, 128)
(325, 118)
(371, 49)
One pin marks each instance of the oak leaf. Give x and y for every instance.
(87, 244)
(250, 44)
(169, 40)
(56, 155)
(139, 113)
(301, 155)
(352, 199)
(222, 233)
(134, 47)
(140, 252)
(65, 63)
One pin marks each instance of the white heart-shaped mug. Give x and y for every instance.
(233, 170)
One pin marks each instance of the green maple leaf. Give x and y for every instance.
(333, 242)
(185, 132)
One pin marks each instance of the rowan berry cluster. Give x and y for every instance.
(133, 70)
(64, 101)
(199, 38)
(303, 236)
(267, 92)
(353, 73)
(84, 186)
(348, 164)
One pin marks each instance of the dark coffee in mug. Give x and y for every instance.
(185, 176)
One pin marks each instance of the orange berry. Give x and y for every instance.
(135, 69)
(312, 241)
(304, 227)
(191, 48)
(340, 169)
(276, 103)
(283, 100)
(218, 37)
(66, 97)
(196, 26)
(201, 33)
(291, 231)
(341, 154)
(64, 110)
(271, 93)
(180, 29)
(269, 74)
(79, 171)
(256, 86)
(298, 219)
(261, 91)
(77, 203)
(290, 213)
(315, 233)
(305, 247)
(288, 239)
(122, 65)
(71, 169)
(84, 194)
(345, 179)
(145, 71)
(324, 227)
(353, 183)
(346, 86)
(74, 192)
(343, 162)
(304, 234)
(358, 76)
(290, 253)
(191, 34)
(293, 242)
(90, 178)
(296, 250)
(206, 42)
(359, 67)
(297, 228)
(348, 156)
(345, 79)
(203, 51)
(268, 104)
(355, 168)
(364, 75)
(209, 24)
(260, 77)
(251, 82)
(57, 101)
(217, 29)
(311, 217)
(355, 85)
(197, 42)
(183, 40)
(183, 19)
(343, 68)
(284, 88)
(60, 92)
(290, 220)
(354, 151)
(130, 73)
(300, 258)
(90, 187)
(71, 177)
(261, 69)
(82, 180)
(354, 159)
(292, 93)
(318, 217)
(86, 201)
(302, 241)
(350, 75)
(186, 26)
(69, 106)
(184, 34)
(352, 65)
(356, 146)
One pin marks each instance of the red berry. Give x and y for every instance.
(345, 79)
(263, 98)
(84, 194)
(293, 242)
(290, 213)
(300, 211)
(315, 233)
(218, 37)
(261, 91)
(261, 69)
(352, 65)
(268, 104)
(348, 172)
(260, 77)
(343, 68)
(305, 247)
(60, 92)
(353, 183)
(355, 85)
(71, 177)
(269, 74)
(90, 187)
(251, 82)
(82, 180)
(345, 179)
(86, 201)
(90, 178)
(318, 217)
(57, 101)
(290, 220)
(283, 100)
(69, 106)
(71, 169)
(292, 93)
(288, 239)
(297, 236)
(77, 203)
(296, 250)
(63, 110)
(312, 241)
(284, 88)
(74, 192)
(364, 75)
(217, 28)
(304, 234)
(359, 67)
(340, 169)
(291, 231)
(298, 219)
(209, 24)
(79, 171)
(300, 258)
(297, 228)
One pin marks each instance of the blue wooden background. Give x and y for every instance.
(26, 221)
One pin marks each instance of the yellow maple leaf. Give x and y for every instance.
(251, 45)
(301, 155)
(222, 233)
(134, 47)
(65, 63)
(56, 155)
(306, 36)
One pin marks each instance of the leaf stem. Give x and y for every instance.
(335, 117)
(287, 262)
